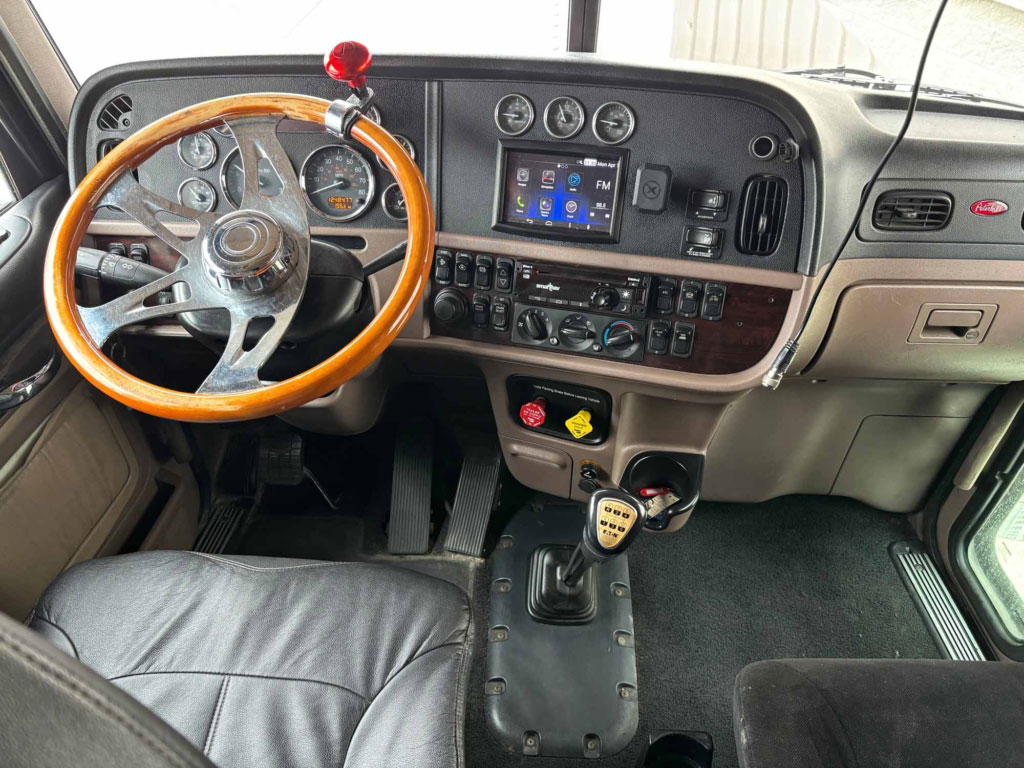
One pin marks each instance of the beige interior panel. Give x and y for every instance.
(797, 438)
(882, 329)
(894, 459)
(178, 524)
(88, 469)
(541, 467)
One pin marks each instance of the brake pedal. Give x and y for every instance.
(475, 498)
(409, 524)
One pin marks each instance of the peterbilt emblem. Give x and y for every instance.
(989, 207)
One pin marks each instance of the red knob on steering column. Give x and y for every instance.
(348, 62)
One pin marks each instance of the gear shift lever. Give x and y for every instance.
(614, 518)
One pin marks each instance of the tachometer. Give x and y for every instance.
(338, 182)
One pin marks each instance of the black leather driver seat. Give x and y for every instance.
(258, 661)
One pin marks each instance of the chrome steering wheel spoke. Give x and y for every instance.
(105, 319)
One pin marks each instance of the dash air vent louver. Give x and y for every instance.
(762, 214)
(117, 114)
(901, 210)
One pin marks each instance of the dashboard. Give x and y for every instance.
(646, 239)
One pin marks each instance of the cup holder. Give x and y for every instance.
(681, 472)
(677, 749)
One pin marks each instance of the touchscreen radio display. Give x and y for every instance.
(559, 193)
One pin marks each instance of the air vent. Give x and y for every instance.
(117, 115)
(908, 211)
(762, 214)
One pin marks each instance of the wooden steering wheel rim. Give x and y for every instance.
(59, 269)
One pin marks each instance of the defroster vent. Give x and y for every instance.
(762, 214)
(901, 210)
(117, 114)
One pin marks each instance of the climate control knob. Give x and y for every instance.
(533, 324)
(604, 297)
(450, 307)
(577, 331)
(621, 338)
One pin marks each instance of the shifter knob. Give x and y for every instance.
(614, 518)
(348, 63)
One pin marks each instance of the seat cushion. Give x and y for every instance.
(832, 713)
(260, 661)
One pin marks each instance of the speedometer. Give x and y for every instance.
(337, 182)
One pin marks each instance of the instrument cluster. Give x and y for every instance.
(337, 180)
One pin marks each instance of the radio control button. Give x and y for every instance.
(604, 297)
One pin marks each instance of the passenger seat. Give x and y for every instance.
(837, 713)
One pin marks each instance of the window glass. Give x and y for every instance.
(996, 555)
(94, 35)
(7, 194)
(979, 46)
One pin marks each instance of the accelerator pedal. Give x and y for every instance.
(409, 525)
(475, 498)
(941, 615)
(226, 518)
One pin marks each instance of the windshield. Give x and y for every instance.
(979, 47)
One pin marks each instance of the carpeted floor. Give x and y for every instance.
(795, 577)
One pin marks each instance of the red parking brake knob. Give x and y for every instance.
(534, 413)
(348, 62)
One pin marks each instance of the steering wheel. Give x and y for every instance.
(252, 262)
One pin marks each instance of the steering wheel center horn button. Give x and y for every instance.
(247, 251)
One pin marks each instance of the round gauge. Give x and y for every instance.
(374, 114)
(232, 178)
(613, 122)
(513, 114)
(198, 150)
(393, 202)
(337, 182)
(564, 117)
(198, 194)
(406, 145)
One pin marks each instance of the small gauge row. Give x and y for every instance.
(564, 117)
(336, 180)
